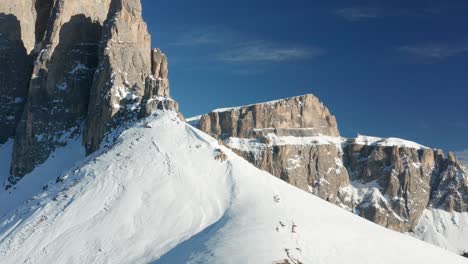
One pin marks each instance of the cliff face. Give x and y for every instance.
(93, 66)
(388, 181)
(17, 40)
(299, 116)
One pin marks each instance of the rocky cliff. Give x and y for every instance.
(93, 67)
(388, 181)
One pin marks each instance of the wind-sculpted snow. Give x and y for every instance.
(160, 194)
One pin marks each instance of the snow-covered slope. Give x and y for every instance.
(164, 193)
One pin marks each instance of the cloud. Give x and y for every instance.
(261, 52)
(433, 52)
(463, 156)
(354, 14)
(359, 13)
(205, 36)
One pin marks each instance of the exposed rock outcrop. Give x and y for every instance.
(299, 116)
(125, 64)
(94, 69)
(60, 84)
(390, 182)
(15, 72)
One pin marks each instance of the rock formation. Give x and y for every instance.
(17, 40)
(298, 116)
(93, 67)
(59, 88)
(125, 63)
(388, 182)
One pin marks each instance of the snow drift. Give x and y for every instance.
(167, 193)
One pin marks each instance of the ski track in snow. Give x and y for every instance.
(160, 196)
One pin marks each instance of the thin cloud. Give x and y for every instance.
(268, 53)
(354, 14)
(433, 52)
(359, 13)
(206, 36)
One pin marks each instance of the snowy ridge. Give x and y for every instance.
(161, 194)
(386, 142)
(444, 229)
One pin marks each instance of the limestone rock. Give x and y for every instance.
(390, 182)
(301, 116)
(125, 64)
(58, 94)
(25, 14)
(313, 167)
(256, 132)
(157, 90)
(15, 71)
(400, 178)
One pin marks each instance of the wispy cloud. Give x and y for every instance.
(433, 52)
(204, 36)
(236, 48)
(263, 52)
(354, 14)
(359, 13)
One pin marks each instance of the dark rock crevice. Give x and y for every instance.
(43, 12)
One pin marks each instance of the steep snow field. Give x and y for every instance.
(32, 184)
(444, 229)
(164, 194)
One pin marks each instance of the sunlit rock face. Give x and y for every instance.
(78, 69)
(388, 181)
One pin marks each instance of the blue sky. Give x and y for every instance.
(384, 68)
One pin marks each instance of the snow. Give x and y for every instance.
(32, 184)
(194, 120)
(463, 157)
(444, 229)
(79, 67)
(5, 160)
(158, 195)
(248, 144)
(387, 142)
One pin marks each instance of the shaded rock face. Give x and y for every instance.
(389, 185)
(15, 72)
(59, 87)
(404, 182)
(22, 26)
(302, 115)
(400, 180)
(25, 13)
(450, 183)
(93, 70)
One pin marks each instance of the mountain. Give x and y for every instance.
(98, 166)
(395, 183)
(167, 193)
(75, 70)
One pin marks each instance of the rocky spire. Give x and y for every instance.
(124, 66)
